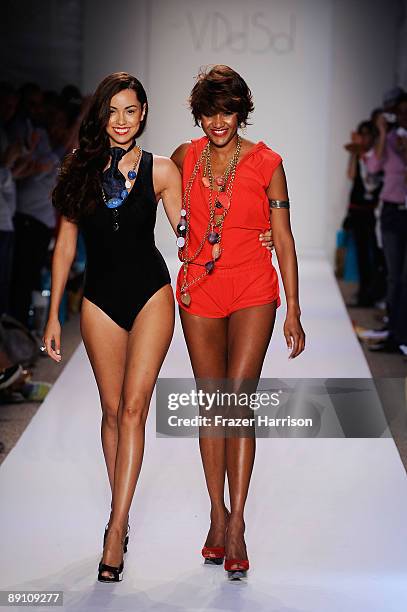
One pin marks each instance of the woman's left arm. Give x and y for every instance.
(287, 260)
(168, 187)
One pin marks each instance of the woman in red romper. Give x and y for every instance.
(227, 288)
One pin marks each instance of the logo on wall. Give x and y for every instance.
(254, 34)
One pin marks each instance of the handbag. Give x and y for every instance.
(19, 344)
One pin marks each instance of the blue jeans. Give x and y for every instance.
(394, 235)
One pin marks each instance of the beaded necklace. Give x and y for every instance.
(218, 209)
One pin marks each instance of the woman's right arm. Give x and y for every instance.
(64, 254)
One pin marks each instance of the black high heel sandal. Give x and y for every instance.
(116, 571)
(112, 569)
(126, 539)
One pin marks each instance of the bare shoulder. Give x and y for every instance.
(179, 154)
(181, 149)
(163, 166)
(165, 173)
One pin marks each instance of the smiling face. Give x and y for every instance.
(220, 128)
(126, 114)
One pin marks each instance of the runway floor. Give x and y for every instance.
(326, 518)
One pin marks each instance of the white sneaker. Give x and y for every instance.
(373, 334)
(403, 349)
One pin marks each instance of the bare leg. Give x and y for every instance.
(249, 335)
(207, 346)
(106, 345)
(148, 344)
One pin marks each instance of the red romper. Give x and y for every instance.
(244, 274)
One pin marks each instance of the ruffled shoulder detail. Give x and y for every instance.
(194, 150)
(266, 160)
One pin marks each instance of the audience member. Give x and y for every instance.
(390, 155)
(361, 219)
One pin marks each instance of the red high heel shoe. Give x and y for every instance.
(213, 555)
(236, 568)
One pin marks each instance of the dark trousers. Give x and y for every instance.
(6, 261)
(369, 256)
(394, 234)
(32, 239)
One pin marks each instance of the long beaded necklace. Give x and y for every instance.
(114, 203)
(218, 209)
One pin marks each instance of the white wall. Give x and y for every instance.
(316, 67)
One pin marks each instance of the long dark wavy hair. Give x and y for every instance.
(78, 187)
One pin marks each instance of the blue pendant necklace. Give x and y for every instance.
(118, 200)
(113, 203)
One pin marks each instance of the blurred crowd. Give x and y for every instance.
(37, 129)
(377, 219)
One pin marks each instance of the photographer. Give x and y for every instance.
(360, 218)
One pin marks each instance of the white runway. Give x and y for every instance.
(326, 518)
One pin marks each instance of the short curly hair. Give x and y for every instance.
(219, 88)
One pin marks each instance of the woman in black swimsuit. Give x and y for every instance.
(109, 189)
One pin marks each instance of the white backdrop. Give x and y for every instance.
(315, 67)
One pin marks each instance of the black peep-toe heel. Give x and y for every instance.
(116, 571)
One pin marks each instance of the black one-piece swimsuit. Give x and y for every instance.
(124, 268)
